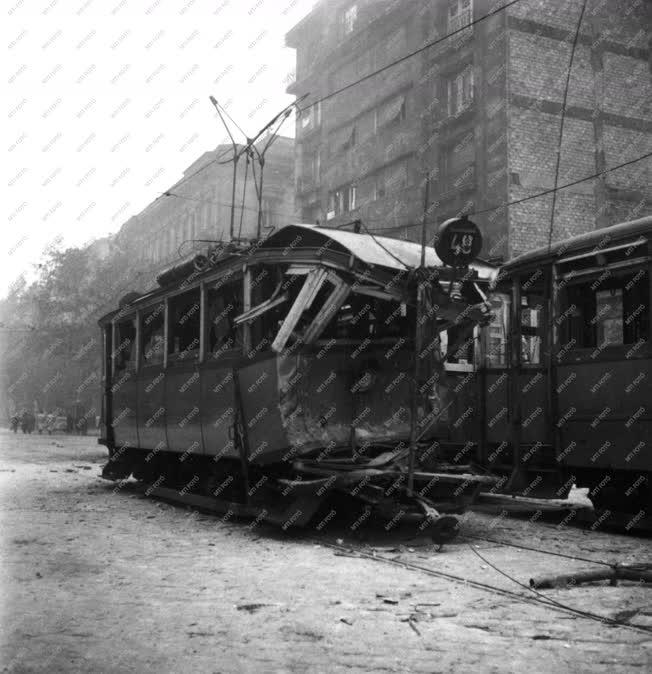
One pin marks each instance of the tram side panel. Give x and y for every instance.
(152, 408)
(604, 421)
(258, 386)
(182, 409)
(182, 380)
(151, 381)
(464, 414)
(535, 418)
(218, 405)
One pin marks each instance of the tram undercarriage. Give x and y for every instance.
(310, 491)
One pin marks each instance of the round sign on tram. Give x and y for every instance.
(458, 242)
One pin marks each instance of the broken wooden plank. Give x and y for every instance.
(331, 306)
(374, 291)
(613, 574)
(311, 286)
(260, 309)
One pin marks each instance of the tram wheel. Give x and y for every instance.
(444, 529)
(622, 492)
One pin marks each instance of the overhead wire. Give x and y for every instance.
(534, 196)
(545, 599)
(386, 67)
(405, 57)
(563, 119)
(542, 599)
(389, 252)
(224, 203)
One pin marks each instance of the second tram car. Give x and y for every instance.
(562, 375)
(580, 378)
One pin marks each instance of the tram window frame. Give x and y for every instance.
(264, 281)
(124, 361)
(194, 313)
(363, 317)
(584, 333)
(156, 310)
(228, 288)
(450, 359)
(492, 357)
(528, 339)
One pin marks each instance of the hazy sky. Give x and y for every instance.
(108, 104)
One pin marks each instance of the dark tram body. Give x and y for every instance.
(274, 376)
(565, 373)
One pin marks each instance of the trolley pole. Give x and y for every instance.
(418, 343)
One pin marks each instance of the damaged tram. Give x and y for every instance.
(271, 378)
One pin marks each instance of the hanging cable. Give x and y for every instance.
(534, 196)
(427, 46)
(411, 54)
(244, 194)
(563, 119)
(545, 598)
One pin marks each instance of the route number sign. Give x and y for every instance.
(458, 242)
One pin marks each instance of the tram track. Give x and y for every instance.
(531, 596)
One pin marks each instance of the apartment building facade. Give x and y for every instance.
(198, 206)
(478, 113)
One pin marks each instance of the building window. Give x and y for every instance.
(460, 91)
(389, 179)
(349, 18)
(311, 117)
(342, 200)
(315, 167)
(390, 112)
(353, 192)
(460, 14)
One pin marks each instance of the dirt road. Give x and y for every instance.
(98, 579)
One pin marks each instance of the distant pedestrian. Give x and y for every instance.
(27, 422)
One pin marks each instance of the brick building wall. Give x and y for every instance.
(608, 117)
(498, 143)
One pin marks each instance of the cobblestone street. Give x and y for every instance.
(104, 581)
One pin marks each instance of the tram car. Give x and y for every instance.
(272, 377)
(562, 376)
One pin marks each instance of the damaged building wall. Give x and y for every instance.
(365, 152)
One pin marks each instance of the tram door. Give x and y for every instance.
(222, 303)
(530, 441)
(495, 381)
(182, 376)
(106, 430)
(530, 407)
(516, 410)
(123, 383)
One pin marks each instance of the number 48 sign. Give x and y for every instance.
(458, 242)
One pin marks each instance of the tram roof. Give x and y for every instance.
(598, 238)
(373, 250)
(370, 249)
